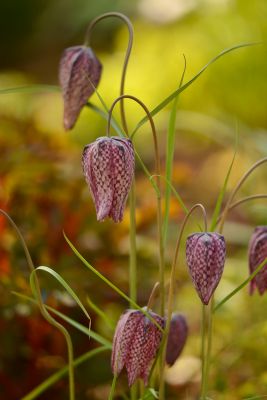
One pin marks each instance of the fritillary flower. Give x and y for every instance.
(176, 338)
(205, 255)
(79, 75)
(108, 166)
(135, 344)
(257, 254)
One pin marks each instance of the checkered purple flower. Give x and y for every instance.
(176, 338)
(79, 74)
(257, 254)
(205, 255)
(135, 344)
(108, 166)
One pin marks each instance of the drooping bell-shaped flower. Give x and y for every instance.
(176, 338)
(108, 166)
(205, 255)
(135, 344)
(257, 254)
(79, 74)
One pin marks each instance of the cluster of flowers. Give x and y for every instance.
(108, 166)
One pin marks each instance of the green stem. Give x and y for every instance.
(59, 374)
(127, 55)
(112, 389)
(235, 190)
(169, 157)
(132, 261)
(236, 290)
(171, 290)
(244, 200)
(205, 378)
(43, 310)
(159, 208)
(110, 284)
(203, 346)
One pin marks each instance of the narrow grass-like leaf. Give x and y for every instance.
(104, 115)
(165, 102)
(31, 89)
(112, 389)
(55, 275)
(100, 313)
(36, 392)
(150, 394)
(228, 297)
(169, 157)
(104, 105)
(98, 338)
(176, 194)
(109, 283)
(221, 195)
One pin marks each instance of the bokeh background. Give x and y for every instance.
(42, 187)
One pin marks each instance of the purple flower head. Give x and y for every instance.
(135, 344)
(257, 253)
(176, 338)
(79, 67)
(108, 166)
(205, 255)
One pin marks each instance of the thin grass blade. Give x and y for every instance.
(109, 283)
(93, 335)
(165, 102)
(228, 297)
(221, 195)
(55, 275)
(31, 89)
(170, 156)
(36, 392)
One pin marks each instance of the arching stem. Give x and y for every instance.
(152, 296)
(172, 284)
(159, 209)
(127, 54)
(244, 200)
(43, 310)
(235, 190)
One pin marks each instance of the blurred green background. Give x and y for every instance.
(42, 187)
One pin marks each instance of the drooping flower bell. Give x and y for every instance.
(205, 255)
(257, 254)
(135, 344)
(79, 74)
(176, 338)
(108, 166)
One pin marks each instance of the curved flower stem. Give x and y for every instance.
(172, 283)
(132, 263)
(159, 209)
(244, 200)
(152, 296)
(235, 190)
(127, 55)
(229, 205)
(43, 310)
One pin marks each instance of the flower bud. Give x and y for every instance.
(176, 338)
(257, 254)
(79, 74)
(205, 255)
(108, 166)
(135, 344)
